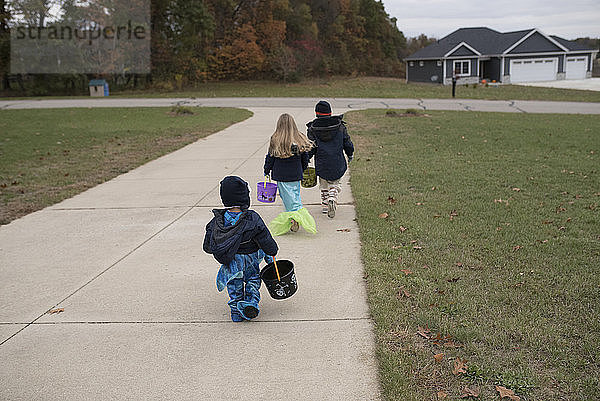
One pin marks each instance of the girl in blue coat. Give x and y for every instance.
(238, 238)
(286, 161)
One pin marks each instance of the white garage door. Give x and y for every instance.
(531, 70)
(576, 67)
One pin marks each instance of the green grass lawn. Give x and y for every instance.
(374, 87)
(481, 232)
(370, 87)
(48, 155)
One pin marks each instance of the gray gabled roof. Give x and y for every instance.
(571, 45)
(485, 40)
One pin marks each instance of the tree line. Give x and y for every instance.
(194, 41)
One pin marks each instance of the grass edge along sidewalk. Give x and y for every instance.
(481, 247)
(52, 154)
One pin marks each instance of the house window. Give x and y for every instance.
(462, 68)
(421, 64)
(412, 63)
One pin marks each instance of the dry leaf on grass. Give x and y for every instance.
(460, 366)
(504, 392)
(516, 248)
(403, 293)
(406, 271)
(383, 216)
(469, 392)
(424, 332)
(391, 200)
(441, 395)
(438, 357)
(345, 230)
(402, 229)
(57, 310)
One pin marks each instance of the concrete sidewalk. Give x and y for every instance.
(142, 317)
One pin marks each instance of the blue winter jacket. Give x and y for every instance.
(287, 169)
(331, 141)
(246, 236)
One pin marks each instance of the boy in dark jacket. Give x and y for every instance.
(331, 141)
(238, 239)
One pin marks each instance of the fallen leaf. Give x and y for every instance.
(458, 264)
(438, 357)
(433, 188)
(516, 248)
(435, 216)
(419, 203)
(391, 200)
(403, 293)
(57, 310)
(441, 395)
(504, 392)
(396, 246)
(402, 229)
(453, 280)
(424, 332)
(417, 247)
(406, 271)
(460, 366)
(469, 392)
(383, 216)
(578, 196)
(425, 267)
(345, 230)
(414, 241)
(516, 189)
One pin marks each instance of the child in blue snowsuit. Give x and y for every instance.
(238, 239)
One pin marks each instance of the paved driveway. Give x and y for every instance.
(591, 84)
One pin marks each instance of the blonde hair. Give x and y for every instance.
(285, 135)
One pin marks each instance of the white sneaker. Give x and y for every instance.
(331, 208)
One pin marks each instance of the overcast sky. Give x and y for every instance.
(568, 19)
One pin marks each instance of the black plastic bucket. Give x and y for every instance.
(286, 286)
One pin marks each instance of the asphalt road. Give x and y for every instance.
(509, 106)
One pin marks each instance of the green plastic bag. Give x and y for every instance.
(283, 222)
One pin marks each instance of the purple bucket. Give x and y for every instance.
(266, 192)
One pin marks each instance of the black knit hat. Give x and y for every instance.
(234, 192)
(323, 109)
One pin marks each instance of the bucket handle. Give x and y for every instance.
(276, 269)
(265, 181)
